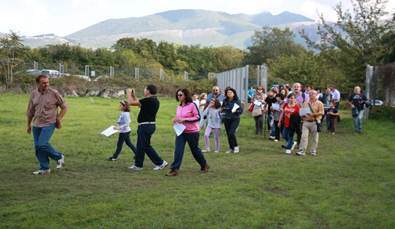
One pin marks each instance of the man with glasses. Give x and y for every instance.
(216, 94)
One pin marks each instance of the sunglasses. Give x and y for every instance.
(179, 95)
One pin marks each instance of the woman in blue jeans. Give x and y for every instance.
(231, 111)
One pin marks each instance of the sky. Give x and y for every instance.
(63, 17)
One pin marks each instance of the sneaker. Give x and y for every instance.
(162, 166)
(206, 150)
(135, 168)
(294, 145)
(204, 169)
(172, 173)
(275, 140)
(60, 162)
(333, 133)
(288, 151)
(313, 153)
(272, 138)
(112, 158)
(42, 172)
(217, 151)
(300, 153)
(229, 151)
(236, 149)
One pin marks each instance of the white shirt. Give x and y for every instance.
(335, 95)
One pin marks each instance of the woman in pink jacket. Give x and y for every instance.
(187, 114)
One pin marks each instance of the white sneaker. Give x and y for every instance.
(162, 166)
(206, 150)
(42, 172)
(275, 140)
(313, 153)
(300, 153)
(294, 145)
(60, 162)
(229, 151)
(135, 168)
(236, 149)
(288, 151)
(217, 151)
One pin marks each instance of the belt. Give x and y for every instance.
(146, 123)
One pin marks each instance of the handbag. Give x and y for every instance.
(316, 122)
(251, 107)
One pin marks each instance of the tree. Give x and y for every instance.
(11, 48)
(362, 35)
(270, 43)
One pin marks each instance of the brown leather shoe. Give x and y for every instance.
(204, 169)
(172, 173)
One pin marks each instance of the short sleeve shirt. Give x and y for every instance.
(149, 107)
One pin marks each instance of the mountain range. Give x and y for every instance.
(203, 27)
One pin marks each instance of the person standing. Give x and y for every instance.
(258, 111)
(301, 98)
(331, 115)
(146, 119)
(358, 102)
(335, 96)
(44, 116)
(188, 115)
(231, 111)
(124, 131)
(311, 123)
(215, 94)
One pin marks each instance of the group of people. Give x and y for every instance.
(282, 107)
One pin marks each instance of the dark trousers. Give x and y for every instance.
(144, 134)
(124, 137)
(332, 123)
(258, 124)
(230, 128)
(193, 142)
(298, 131)
(277, 130)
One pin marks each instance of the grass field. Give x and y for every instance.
(350, 184)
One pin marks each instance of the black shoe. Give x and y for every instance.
(284, 147)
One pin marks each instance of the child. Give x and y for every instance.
(276, 116)
(124, 131)
(332, 115)
(212, 113)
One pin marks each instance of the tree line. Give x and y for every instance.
(363, 35)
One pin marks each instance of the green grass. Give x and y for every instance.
(350, 184)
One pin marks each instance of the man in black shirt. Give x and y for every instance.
(358, 101)
(149, 107)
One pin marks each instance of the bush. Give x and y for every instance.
(382, 112)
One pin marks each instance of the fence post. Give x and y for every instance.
(87, 70)
(136, 73)
(368, 79)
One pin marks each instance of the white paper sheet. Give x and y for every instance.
(276, 106)
(235, 107)
(304, 111)
(109, 131)
(257, 103)
(178, 128)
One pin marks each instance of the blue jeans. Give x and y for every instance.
(44, 150)
(357, 118)
(144, 134)
(288, 135)
(193, 142)
(124, 137)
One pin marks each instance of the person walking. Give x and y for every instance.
(124, 131)
(358, 103)
(311, 124)
(43, 116)
(146, 119)
(187, 114)
(213, 124)
(231, 111)
(289, 120)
